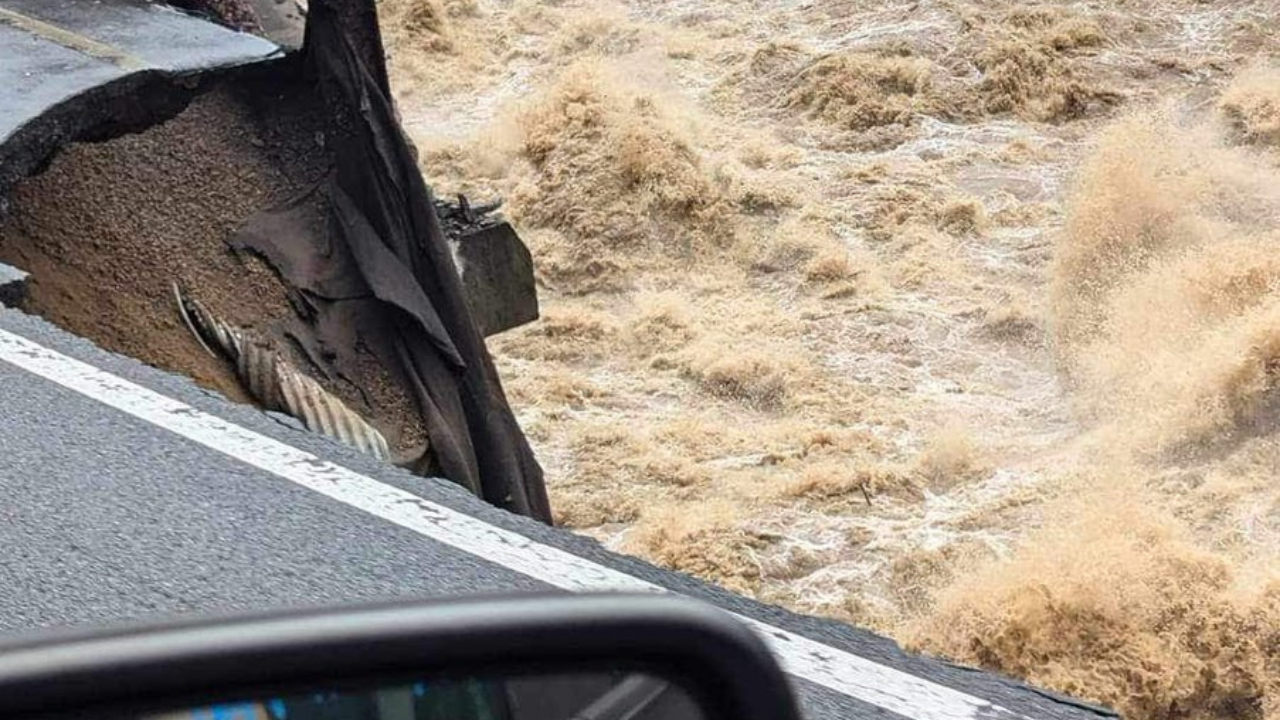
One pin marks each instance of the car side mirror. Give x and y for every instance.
(595, 657)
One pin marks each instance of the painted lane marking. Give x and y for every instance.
(73, 41)
(835, 669)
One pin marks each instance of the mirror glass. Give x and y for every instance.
(569, 696)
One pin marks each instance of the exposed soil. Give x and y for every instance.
(107, 228)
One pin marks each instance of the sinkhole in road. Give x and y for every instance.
(107, 228)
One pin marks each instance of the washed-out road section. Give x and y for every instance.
(131, 493)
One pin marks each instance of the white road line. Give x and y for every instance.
(841, 671)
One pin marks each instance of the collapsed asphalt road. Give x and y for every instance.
(319, 184)
(133, 493)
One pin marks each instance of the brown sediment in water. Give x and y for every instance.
(1141, 591)
(1167, 284)
(1117, 604)
(867, 395)
(107, 228)
(1252, 103)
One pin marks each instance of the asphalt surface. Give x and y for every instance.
(43, 66)
(69, 66)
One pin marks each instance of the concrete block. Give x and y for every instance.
(497, 276)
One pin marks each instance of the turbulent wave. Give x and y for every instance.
(1154, 588)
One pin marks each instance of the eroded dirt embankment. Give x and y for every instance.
(108, 227)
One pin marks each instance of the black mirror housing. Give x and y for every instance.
(717, 660)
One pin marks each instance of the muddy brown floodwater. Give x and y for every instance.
(952, 318)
